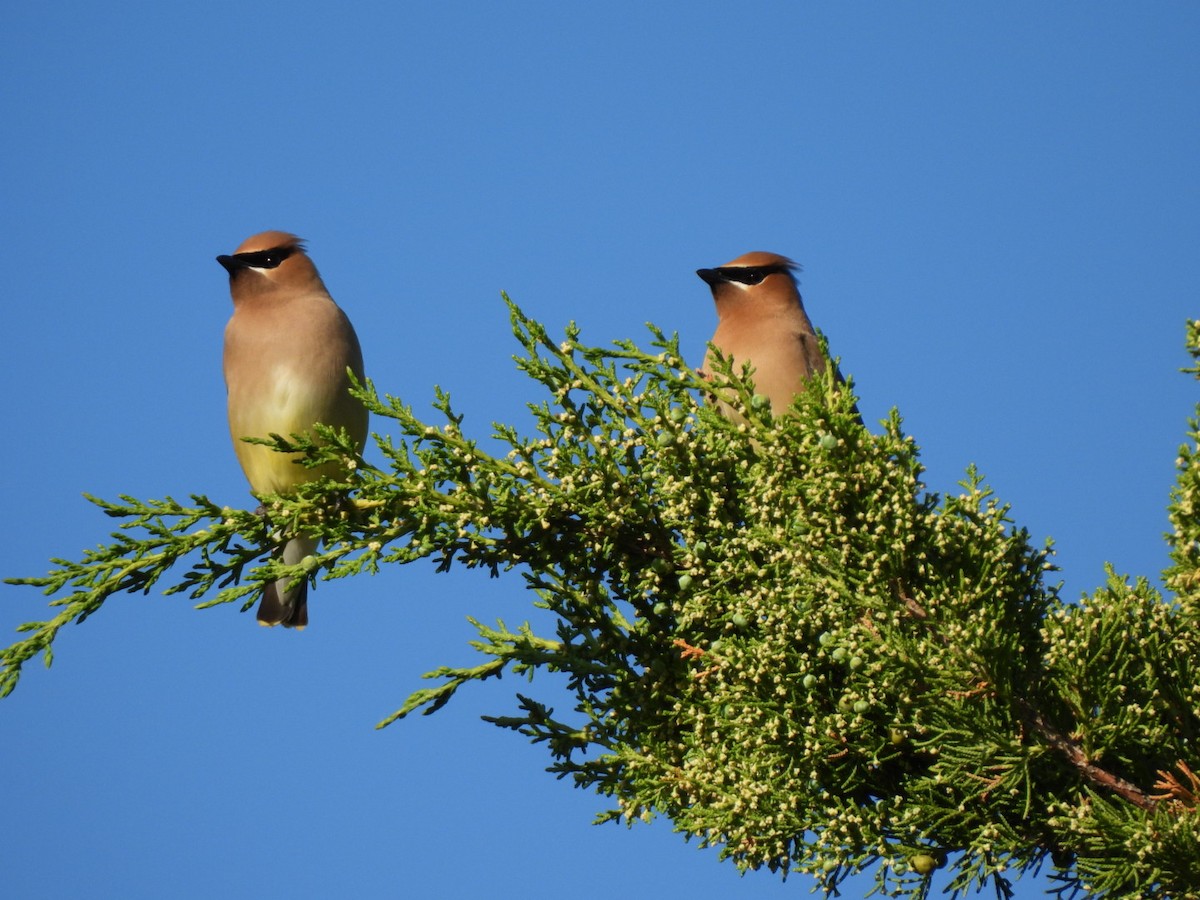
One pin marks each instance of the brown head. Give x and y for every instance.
(270, 261)
(767, 280)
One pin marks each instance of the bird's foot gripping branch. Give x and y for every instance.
(773, 633)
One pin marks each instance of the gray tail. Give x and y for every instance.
(284, 602)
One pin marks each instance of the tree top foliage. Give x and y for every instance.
(774, 634)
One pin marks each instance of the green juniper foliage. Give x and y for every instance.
(773, 633)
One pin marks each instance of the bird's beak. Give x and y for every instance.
(711, 277)
(231, 263)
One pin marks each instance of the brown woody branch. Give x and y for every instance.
(1036, 722)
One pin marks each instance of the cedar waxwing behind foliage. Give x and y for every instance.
(287, 348)
(761, 321)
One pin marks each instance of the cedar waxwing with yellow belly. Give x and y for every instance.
(761, 321)
(287, 349)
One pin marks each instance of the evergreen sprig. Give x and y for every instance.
(772, 632)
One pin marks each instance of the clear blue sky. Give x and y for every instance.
(998, 211)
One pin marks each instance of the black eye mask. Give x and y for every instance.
(263, 259)
(749, 274)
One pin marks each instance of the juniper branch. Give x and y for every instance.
(772, 632)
